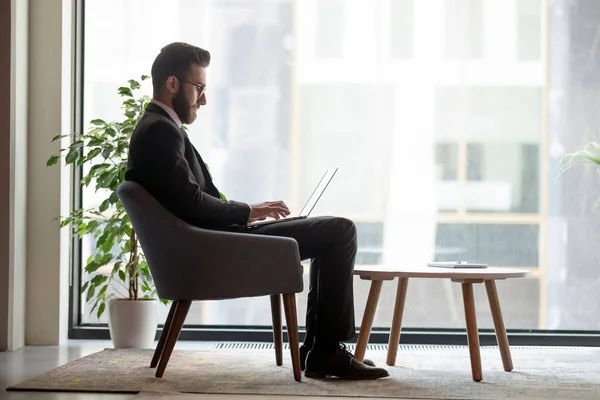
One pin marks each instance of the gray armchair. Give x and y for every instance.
(189, 263)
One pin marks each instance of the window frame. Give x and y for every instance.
(433, 336)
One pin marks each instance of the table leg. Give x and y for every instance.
(394, 340)
(472, 332)
(492, 293)
(367, 321)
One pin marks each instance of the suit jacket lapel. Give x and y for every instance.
(206, 173)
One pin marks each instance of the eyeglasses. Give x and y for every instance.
(200, 88)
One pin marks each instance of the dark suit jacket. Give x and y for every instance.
(163, 160)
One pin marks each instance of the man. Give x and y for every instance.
(163, 160)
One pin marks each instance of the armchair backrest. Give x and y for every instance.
(155, 227)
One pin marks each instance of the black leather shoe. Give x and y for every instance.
(304, 352)
(342, 365)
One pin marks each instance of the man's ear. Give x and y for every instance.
(172, 85)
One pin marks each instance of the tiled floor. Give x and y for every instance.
(32, 361)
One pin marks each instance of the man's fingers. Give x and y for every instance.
(276, 215)
(283, 205)
(278, 209)
(279, 204)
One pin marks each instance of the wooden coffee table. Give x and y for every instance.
(467, 277)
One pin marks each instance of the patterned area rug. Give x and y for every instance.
(424, 372)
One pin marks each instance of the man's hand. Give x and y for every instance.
(269, 209)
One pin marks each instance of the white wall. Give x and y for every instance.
(50, 29)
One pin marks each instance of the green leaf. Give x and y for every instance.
(108, 257)
(144, 77)
(108, 244)
(93, 153)
(85, 181)
(99, 280)
(125, 91)
(95, 142)
(81, 161)
(101, 310)
(98, 167)
(133, 84)
(81, 229)
(102, 290)
(78, 144)
(97, 122)
(116, 267)
(90, 293)
(114, 198)
(95, 131)
(52, 160)
(98, 301)
(72, 156)
(92, 225)
(147, 274)
(85, 285)
(106, 154)
(128, 129)
(104, 205)
(98, 255)
(122, 275)
(65, 222)
(92, 266)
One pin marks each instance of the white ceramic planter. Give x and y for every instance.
(132, 324)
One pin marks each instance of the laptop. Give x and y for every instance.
(310, 204)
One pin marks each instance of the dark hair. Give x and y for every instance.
(176, 59)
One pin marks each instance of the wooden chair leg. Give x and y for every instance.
(163, 336)
(277, 330)
(492, 293)
(397, 321)
(472, 332)
(291, 321)
(367, 321)
(181, 311)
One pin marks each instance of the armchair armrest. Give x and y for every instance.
(207, 264)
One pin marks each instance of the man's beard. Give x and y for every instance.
(182, 108)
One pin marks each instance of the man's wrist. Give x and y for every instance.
(250, 213)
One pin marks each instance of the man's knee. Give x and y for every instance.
(346, 228)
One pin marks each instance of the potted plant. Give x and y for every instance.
(116, 274)
(590, 155)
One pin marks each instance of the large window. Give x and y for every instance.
(437, 113)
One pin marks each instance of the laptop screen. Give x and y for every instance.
(316, 194)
